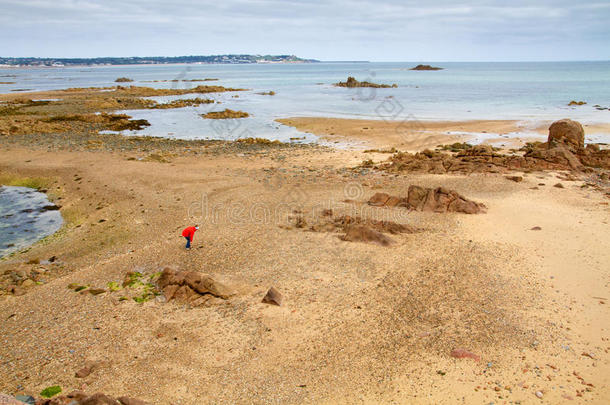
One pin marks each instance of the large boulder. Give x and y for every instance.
(191, 286)
(567, 132)
(428, 199)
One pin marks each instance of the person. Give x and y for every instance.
(188, 233)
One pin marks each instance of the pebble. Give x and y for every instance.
(539, 394)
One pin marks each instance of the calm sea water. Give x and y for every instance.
(23, 219)
(530, 92)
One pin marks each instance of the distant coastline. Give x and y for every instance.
(154, 60)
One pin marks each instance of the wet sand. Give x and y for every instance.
(414, 135)
(359, 323)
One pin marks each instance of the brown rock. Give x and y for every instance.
(516, 179)
(478, 150)
(131, 401)
(416, 197)
(427, 199)
(89, 367)
(560, 155)
(169, 291)
(379, 199)
(441, 200)
(567, 132)
(361, 233)
(96, 291)
(188, 286)
(462, 354)
(558, 185)
(28, 283)
(99, 399)
(205, 284)
(396, 202)
(77, 395)
(273, 297)
(300, 222)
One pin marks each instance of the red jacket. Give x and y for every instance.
(189, 232)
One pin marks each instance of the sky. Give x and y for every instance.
(374, 30)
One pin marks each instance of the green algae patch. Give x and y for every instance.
(50, 392)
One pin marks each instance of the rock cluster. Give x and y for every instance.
(438, 199)
(226, 114)
(18, 280)
(355, 228)
(362, 233)
(564, 150)
(192, 287)
(426, 67)
(351, 82)
(80, 398)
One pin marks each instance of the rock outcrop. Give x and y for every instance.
(362, 233)
(355, 228)
(567, 132)
(427, 199)
(426, 67)
(564, 150)
(352, 82)
(80, 398)
(226, 114)
(192, 287)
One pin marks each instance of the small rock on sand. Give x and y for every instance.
(463, 354)
(89, 367)
(273, 297)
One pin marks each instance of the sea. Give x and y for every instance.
(530, 92)
(25, 218)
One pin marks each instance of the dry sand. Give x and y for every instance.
(360, 323)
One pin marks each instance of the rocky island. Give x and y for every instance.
(426, 67)
(352, 82)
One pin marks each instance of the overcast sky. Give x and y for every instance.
(379, 30)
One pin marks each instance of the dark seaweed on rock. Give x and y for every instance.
(351, 82)
(426, 67)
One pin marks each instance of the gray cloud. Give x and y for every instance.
(330, 30)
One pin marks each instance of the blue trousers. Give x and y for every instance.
(188, 242)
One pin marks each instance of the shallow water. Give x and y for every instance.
(24, 219)
(530, 92)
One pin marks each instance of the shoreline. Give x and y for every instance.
(415, 135)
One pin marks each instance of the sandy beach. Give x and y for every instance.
(359, 322)
(371, 203)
